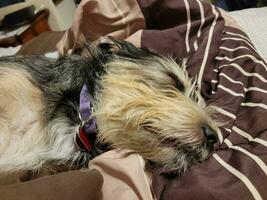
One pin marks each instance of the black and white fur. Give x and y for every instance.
(39, 134)
(39, 113)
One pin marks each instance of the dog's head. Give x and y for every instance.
(147, 104)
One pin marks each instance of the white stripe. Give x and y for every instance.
(255, 89)
(246, 135)
(201, 24)
(230, 79)
(123, 17)
(243, 56)
(216, 70)
(229, 49)
(236, 34)
(213, 92)
(240, 39)
(230, 91)
(228, 130)
(220, 136)
(195, 45)
(251, 104)
(243, 133)
(240, 176)
(202, 18)
(203, 64)
(260, 163)
(224, 112)
(244, 72)
(214, 81)
(260, 141)
(188, 25)
(249, 137)
(238, 82)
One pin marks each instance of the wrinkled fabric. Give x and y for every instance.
(124, 175)
(95, 18)
(78, 185)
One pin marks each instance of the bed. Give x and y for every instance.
(231, 74)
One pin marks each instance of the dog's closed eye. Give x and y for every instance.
(178, 83)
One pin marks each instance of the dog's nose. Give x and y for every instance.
(210, 134)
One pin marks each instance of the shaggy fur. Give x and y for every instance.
(142, 102)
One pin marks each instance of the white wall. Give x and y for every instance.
(61, 15)
(66, 10)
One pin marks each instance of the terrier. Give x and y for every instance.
(58, 112)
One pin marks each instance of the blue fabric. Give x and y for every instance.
(239, 4)
(222, 4)
(4, 3)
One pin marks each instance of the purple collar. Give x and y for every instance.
(87, 128)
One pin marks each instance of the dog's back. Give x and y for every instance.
(20, 114)
(38, 111)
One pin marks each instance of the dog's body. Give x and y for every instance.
(142, 102)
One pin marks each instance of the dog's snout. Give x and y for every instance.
(210, 134)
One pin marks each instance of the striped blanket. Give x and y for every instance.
(229, 72)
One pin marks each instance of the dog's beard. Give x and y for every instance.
(182, 160)
(148, 115)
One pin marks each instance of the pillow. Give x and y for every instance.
(253, 22)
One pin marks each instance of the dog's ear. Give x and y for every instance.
(102, 45)
(107, 45)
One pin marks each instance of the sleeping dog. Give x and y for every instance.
(62, 112)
